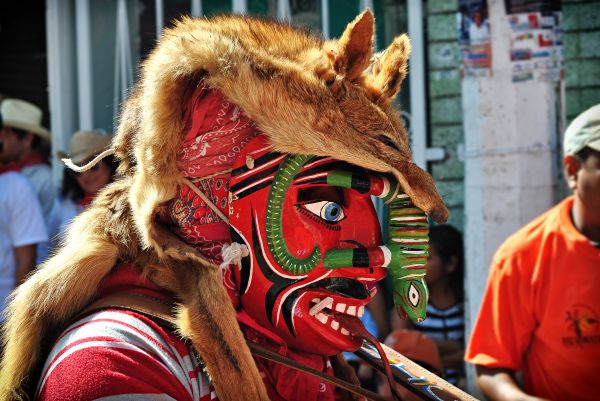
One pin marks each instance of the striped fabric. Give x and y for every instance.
(445, 324)
(121, 355)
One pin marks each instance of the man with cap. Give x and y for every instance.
(540, 312)
(24, 147)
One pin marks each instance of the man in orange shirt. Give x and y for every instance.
(541, 310)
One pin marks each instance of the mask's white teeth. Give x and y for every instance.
(361, 311)
(321, 317)
(335, 324)
(340, 307)
(326, 303)
(344, 331)
(351, 310)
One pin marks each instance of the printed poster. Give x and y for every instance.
(474, 35)
(536, 51)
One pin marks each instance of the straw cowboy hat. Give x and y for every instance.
(85, 145)
(24, 115)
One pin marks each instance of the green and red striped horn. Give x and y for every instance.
(405, 254)
(273, 231)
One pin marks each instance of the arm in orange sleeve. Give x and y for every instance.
(506, 320)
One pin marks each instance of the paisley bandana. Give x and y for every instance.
(217, 132)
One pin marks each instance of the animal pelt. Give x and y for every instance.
(309, 96)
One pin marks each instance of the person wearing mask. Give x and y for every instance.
(79, 189)
(540, 310)
(25, 147)
(221, 214)
(445, 310)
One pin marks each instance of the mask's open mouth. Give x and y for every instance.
(338, 296)
(342, 286)
(325, 310)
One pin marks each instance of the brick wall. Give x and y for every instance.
(444, 99)
(581, 23)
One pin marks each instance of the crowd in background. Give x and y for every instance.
(33, 213)
(34, 217)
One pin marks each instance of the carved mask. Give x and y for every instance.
(316, 245)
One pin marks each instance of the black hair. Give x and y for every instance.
(70, 187)
(584, 153)
(448, 243)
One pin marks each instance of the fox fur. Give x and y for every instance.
(309, 96)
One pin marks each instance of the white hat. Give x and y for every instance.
(86, 144)
(583, 131)
(23, 115)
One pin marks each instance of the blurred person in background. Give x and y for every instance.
(445, 323)
(21, 230)
(79, 189)
(419, 348)
(25, 147)
(540, 311)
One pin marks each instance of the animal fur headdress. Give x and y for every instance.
(309, 96)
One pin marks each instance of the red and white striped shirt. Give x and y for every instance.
(122, 355)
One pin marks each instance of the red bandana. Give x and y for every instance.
(30, 160)
(217, 131)
(87, 199)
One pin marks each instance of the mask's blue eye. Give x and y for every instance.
(329, 211)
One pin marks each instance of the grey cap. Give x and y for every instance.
(583, 131)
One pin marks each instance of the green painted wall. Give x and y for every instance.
(581, 24)
(213, 7)
(445, 105)
(341, 12)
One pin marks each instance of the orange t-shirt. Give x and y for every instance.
(541, 309)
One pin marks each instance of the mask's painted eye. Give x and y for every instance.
(413, 295)
(329, 211)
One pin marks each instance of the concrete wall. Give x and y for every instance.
(511, 134)
(445, 111)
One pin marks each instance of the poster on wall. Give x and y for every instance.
(536, 51)
(474, 36)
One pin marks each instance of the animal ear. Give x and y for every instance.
(355, 47)
(390, 69)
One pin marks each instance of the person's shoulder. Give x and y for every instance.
(530, 237)
(65, 204)
(41, 172)
(13, 177)
(119, 354)
(16, 182)
(41, 168)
